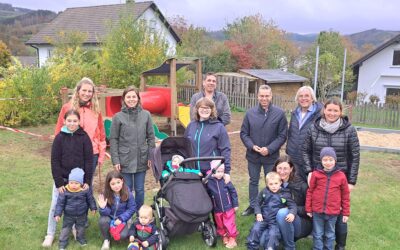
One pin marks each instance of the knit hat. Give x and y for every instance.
(214, 164)
(328, 151)
(180, 158)
(76, 175)
(133, 246)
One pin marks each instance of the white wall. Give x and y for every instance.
(43, 54)
(377, 73)
(149, 15)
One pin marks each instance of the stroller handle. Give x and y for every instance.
(204, 158)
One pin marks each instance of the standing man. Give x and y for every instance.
(263, 133)
(307, 111)
(219, 98)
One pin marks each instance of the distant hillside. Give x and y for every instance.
(218, 35)
(18, 24)
(372, 36)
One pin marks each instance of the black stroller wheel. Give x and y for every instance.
(209, 234)
(162, 240)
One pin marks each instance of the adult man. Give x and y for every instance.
(307, 111)
(263, 133)
(219, 98)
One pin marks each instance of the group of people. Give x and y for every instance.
(306, 190)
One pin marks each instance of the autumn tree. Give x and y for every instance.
(130, 48)
(5, 55)
(256, 43)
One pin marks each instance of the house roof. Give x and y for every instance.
(274, 75)
(93, 21)
(381, 47)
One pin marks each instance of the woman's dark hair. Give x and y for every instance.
(286, 158)
(129, 89)
(109, 194)
(334, 101)
(72, 112)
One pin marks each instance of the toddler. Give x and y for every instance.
(143, 233)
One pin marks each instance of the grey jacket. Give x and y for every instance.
(221, 103)
(131, 139)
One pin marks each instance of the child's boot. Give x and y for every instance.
(231, 243)
(48, 241)
(225, 239)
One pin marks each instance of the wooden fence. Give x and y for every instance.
(380, 115)
(375, 115)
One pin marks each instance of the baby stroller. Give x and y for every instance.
(182, 205)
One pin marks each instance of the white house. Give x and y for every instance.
(95, 20)
(378, 72)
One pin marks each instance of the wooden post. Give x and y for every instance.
(199, 75)
(64, 94)
(142, 83)
(174, 101)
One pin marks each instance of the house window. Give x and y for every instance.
(392, 91)
(396, 58)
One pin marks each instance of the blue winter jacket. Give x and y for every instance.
(224, 196)
(75, 203)
(122, 210)
(296, 135)
(209, 138)
(264, 129)
(269, 203)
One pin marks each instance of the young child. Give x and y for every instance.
(74, 202)
(174, 166)
(116, 207)
(327, 197)
(71, 148)
(143, 233)
(269, 201)
(226, 203)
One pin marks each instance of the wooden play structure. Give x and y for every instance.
(158, 100)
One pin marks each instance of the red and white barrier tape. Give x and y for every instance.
(48, 137)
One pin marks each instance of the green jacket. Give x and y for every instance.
(131, 139)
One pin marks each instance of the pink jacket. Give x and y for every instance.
(93, 126)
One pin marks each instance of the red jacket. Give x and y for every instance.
(93, 125)
(328, 193)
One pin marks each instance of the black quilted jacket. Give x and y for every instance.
(344, 141)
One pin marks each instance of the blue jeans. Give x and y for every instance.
(290, 232)
(95, 161)
(254, 173)
(323, 231)
(51, 222)
(135, 182)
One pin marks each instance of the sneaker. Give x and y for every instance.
(231, 243)
(106, 245)
(83, 243)
(225, 239)
(48, 241)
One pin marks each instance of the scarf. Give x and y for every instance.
(330, 127)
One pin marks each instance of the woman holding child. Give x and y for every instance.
(334, 130)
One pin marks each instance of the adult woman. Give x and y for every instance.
(131, 139)
(334, 130)
(307, 111)
(302, 224)
(84, 100)
(208, 136)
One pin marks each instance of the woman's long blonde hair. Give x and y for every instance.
(94, 100)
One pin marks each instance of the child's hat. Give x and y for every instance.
(328, 151)
(180, 158)
(214, 164)
(76, 175)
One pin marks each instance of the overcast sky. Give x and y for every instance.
(300, 16)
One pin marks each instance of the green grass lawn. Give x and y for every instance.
(25, 192)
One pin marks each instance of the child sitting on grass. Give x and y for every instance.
(226, 203)
(327, 197)
(74, 202)
(143, 233)
(269, 201)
